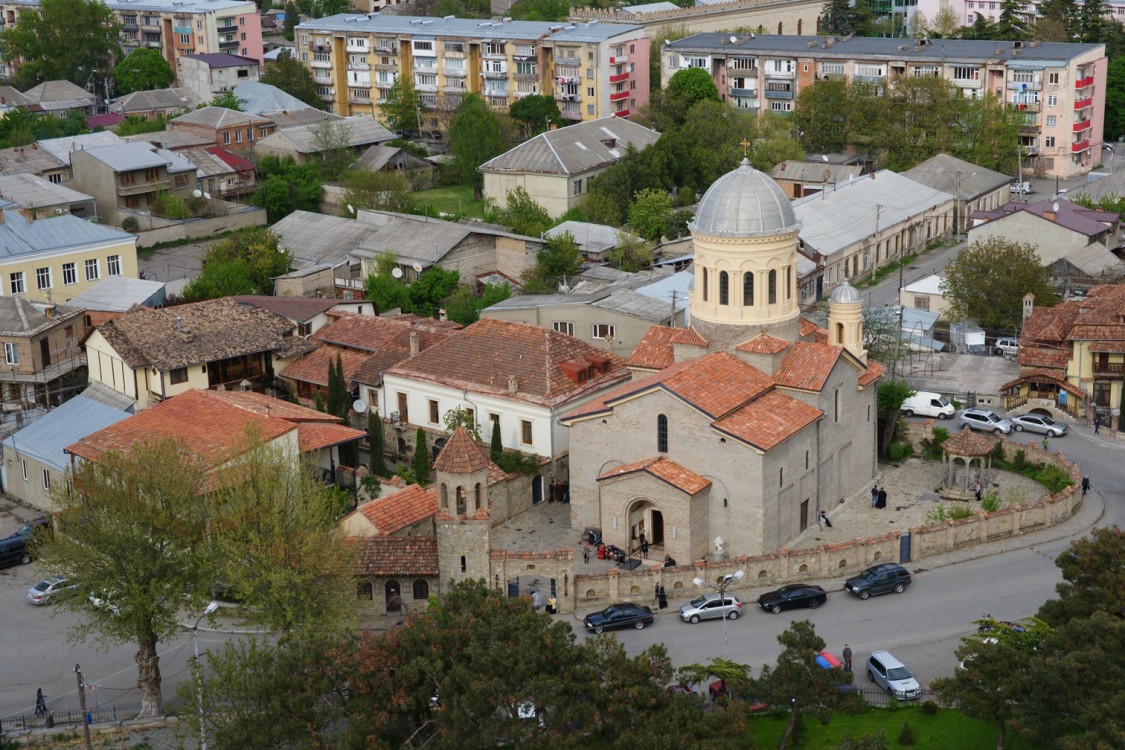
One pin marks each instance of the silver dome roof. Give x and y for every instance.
(845, 294)
(744, 203)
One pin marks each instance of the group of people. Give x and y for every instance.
(878, 497)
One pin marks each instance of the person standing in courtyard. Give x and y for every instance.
(1085, 485)
(823, 520)
(586, 553)
(978, 489)
(882, 502)
(874, 495)
(661, 596)
(847, 657)
(1097, 423)
(644, 545)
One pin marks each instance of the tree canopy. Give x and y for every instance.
(536, 113)
(143, 70)
(287, 186)
(245, 263)
(474, 138)
(402, 110)
(383, 191)
(289, 75)
(72, 40)
(988, 280)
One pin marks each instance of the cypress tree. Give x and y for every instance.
(375, 445)
(496, 449)
(421, 458)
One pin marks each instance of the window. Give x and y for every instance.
(589, 109)
(871, 71)
(433, 412)
(69, 274)
(965, 73)
(746, 63)
(772, 282)
(458, 47)
(1049, 141)
(177, 376)
(11, 354)
(724, 288)
(1052, 100)
(421, 589)
(603, 331)
(238, 136)
(589, 92)
(1051, 120)
(836, 405)
(113, 265)
(493, 48)
(226, 138)
(185, 38)
(661, 434)
(922, 302)
(1053, 78)
(43, 278)
(403, 414)
(525, 432)
(525, 69)
(55, 178)
(563, 326)
(703, 272)
(46, 479)
(15, 282)
(747, 289)
(781, 477)
(925, 71)
(781, 106)
(364, 590)
(577, 187)
(92, 269)
(23, 463)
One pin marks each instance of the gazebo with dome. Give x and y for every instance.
(959, 453)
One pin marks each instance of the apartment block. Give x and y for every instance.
(177, 28)
(966, 11)
(1059, 87)
(593, 69)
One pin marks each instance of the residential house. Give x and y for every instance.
(44, 199)
(224, 127)
(307, 314)
(222, 173)
(1057, 228)
(126, 180)
(858, 227)
(800, 178)
(556, 167)
(259, 98)
(1072, 358)
(926, 294)
(35, 460)
(41, 350)
(148, 105)
(114, 296)
(216, 428)
(151, 355)
(594, 70)
(55, 259)
(303, 142)
(975, 188)
(12, 99)
(320, 246)
(173, 140)
(382, 158)
(1058, 88)
(60, 98)
(214, 73)
(33, 160)
(594, 240)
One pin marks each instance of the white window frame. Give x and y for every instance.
(15, 282)
(564, 326)
(70, 273)
(92, 263)
(41, 275)
(11, 353)
(606, 328)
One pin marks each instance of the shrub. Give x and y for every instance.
(991, 502)
(907, 450)
(129, 224)
(929, 708)
(961, 511)
(1014, 496)
(895, 452)
(1052, 477)
(1020, 459)
(906, 734)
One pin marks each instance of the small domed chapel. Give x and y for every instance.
(747, 424)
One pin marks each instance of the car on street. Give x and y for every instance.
(51, 590)
(1006, 347)
(879, 579)
(793, 597)
(984, 420)
(711, 607)
(620, 615)
(1044, 425)
(892, 675)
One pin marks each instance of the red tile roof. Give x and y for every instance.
(718, 384)
(462, 455)
(312, 436)
(690, 337)
(654, 351)
(259, 403)
(395, 556)
(313, 367)
(394, 512)
(763, 343)
(808, 328)
(768, 420)
(968, 443)
(874, 372)
(1044, 376)
(386, 340)
(665, 470)
(485, 356)
(806, 366)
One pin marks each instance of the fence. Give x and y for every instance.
(26, 722)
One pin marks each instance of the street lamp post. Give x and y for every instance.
(724, 584)
(199, 671)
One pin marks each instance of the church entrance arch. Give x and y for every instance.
(645, 517)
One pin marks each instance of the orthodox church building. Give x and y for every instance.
(743, 427)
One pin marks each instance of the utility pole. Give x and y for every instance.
(878, 209)
(82, 705)
(672, 320)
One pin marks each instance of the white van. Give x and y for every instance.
(926, 404)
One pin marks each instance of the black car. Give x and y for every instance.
(879, 579)
(621, 615)
(792, 597)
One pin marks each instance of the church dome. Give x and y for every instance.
(744, 203)
(845, 294)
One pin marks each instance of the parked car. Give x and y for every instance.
(51, 590)
(793, 597)
(927, 404)
(892, 675)
(1038, 423)
(710, 607)
(879, 579)
(1021, 188)
(1006, 347)
(13, 551)
(985, 420)
(620, 615)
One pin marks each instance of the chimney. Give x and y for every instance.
(513, 384)
(179, 324)
(415, 347)
(1049, 215)
(49, 311)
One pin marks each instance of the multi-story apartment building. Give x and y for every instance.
(593, 69)
(1059, 87)
(966, 11)
(176, 28)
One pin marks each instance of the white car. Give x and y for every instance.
(51, 590)
(892, 675)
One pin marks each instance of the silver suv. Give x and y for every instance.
(892, 675)
(983, 419)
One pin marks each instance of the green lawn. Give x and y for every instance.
(453, 199)
(946, 730)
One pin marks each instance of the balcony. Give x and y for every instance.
(567, 98)
(567, 79)
(618, 96)
(771, 94)
(359, 98)
(571, 114)
(1084, 125)
(1114, 369)
(496, 75)
(968, 83)
(454, 72)
(1026, 106)
(1082, 83)
(182, 30)
(621, 113)
(147, 186)
(869, 79)
(358, 66)
(323, 78)
(153, 43)
(749, 93)
(428, 88)
(320, 64)
(1084, 103)
(522, 94)
(568, 62)
(228, 29)
(356, 45)
(1030, 129)
(619, 78)
(150, 23)
(1079, 147)
(232, 44)
(392, 65)
(1024, 86)
(788, 75)
(618, 60)
(453, 89)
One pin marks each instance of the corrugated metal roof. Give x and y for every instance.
(27, 189)
(628, 302)
(574, 149)
(60, 148)
(929, 285)
(358, 130)
(319, 239)
(45, 439)
(593, 239)
(147, 101)
(680, 284)
(956, 176)
(259, 98)
(119, 293)
(219, 117)
(20, 237)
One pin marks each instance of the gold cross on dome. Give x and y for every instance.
(745, 147)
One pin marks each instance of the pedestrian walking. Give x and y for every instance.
(824, 520)
(644, 545)
(978, 489)
(661, 596)
(40, 703)
(847, 657)
(656, 595)
(874, 495)
(586, 553)
(1097, 423)
(1085, 485)
(1045, 442)
(882, 501)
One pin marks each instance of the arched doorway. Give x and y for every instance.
(645, 517)
(393, 595)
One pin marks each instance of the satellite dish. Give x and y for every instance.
(825, 157)
(396, 272)
(360, 406)
(1055, 207)
(197, 193)
(207, 196)
(417, 268)
(733, 39)
(350, 209)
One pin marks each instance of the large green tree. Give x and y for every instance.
(402, 110)
(474, 138)
(523, 215)
(536, 113)
(560, 258)
(252, 258)
(286, 187)
(691, 85)
(836, 17)
(383, 191)
(649, 213)
(822, 114)
(988, 280)
(889, 397)
(289, 75)
(72, 40)
(143, 70)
